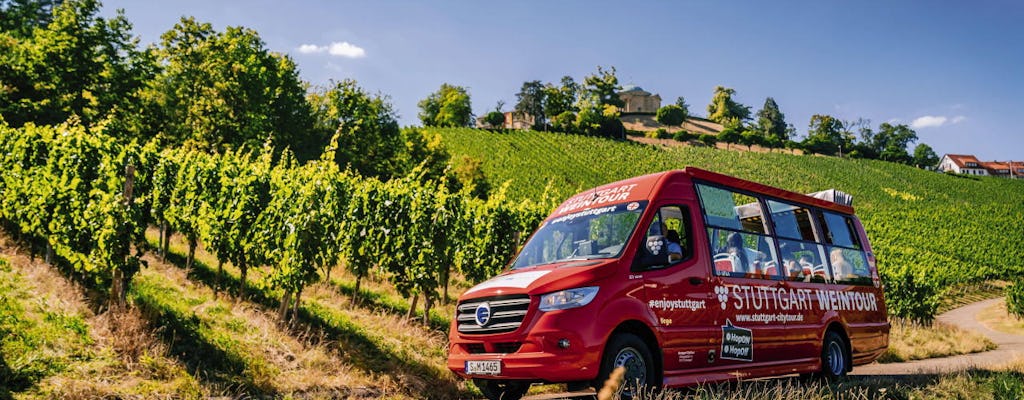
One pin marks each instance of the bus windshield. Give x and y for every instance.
(600, 232)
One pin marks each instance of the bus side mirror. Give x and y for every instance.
(653, 253)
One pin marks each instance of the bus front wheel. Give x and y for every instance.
(632, 354)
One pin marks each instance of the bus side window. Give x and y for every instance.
(672, 223)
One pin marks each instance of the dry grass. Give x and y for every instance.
(108, 355)
(997, 318)
(415, 356)
(913, 341)
(277, 360)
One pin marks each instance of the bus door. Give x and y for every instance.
(678, 292)
(749, 287)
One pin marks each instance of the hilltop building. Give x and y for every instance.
(513, 120)
(639, 101)
(970, 165)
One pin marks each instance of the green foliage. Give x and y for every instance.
(726, 111)
(683, 136)
(604, 86)
(941, 230)
(448, 107)
(495, 119)
(369, 139)
(670, 115)
(531, 100)
(909, 296)
(925, 157)
(561, 99)
(659, 133)
(470, 173)
(891, 142)
(681, 103)
(708, 139)
(69, 63)
(826, 135)
(65, 186)
(771, 122)
(1015, 298)
(730, 134)
(226, 90)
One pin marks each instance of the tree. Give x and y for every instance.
(750, 137)
(708, 139)
(924, 156)
(495, 119)
(772, 123)
(222, 90)
(369, 138)
(670, 115)
(561, 99)
(724, 110)
(448, 107)
(604, 85)
(826, 135)
(531, 101)
(19, 17)
(892, 141)
(598, 105)
(70, 62)
(681, 102)
(729, 135)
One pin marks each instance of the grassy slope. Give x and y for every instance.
(940, 228)
(368, 337)
(53, 346)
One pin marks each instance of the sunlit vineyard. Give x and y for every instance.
(929, 230)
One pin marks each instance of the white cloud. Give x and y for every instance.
(310, 48)
(338, 49)
(346, 49)
(935, 121)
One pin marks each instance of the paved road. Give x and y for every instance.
(1010, 347)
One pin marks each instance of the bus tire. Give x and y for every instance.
(502, 390)
(835, 360)
(629, 351)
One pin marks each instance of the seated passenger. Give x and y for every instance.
(675, 250)
(841, 269)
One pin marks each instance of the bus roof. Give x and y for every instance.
(641, 187)
(734, 182)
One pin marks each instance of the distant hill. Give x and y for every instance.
(936, 229)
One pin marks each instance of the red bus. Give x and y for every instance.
(682, 277)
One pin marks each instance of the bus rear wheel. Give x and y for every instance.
(835, 361)
(502, 390)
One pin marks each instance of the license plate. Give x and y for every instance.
(490, 367)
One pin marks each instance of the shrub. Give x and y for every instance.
(682, 136)
(909, 297)
(708, 139)
(670, 115)
(1015, 298)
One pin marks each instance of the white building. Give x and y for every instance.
(970, 165)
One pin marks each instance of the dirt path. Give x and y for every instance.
(1009, 347)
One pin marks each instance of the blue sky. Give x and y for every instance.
(952, 70)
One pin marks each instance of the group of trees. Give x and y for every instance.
(826, 134)
(590, 108)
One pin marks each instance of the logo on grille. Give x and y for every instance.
(483, 314)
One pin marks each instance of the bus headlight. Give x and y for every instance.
(570, 298)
